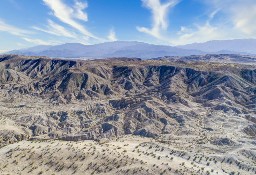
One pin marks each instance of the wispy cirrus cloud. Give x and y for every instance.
(242, 14)
(72, 17)
(39, 41)
(238, 19)
(69, 15)
(78, 10)
(26, 35)
(159, 16)
(56, 29)
(12, 29)
(201, 33)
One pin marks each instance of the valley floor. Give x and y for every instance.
(126, 155)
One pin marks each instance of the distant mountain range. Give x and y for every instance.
(109, 49)
(244, 46)
(136, 49)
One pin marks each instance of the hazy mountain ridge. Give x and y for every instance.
(243, 46)
(140, 49)
(104, 50)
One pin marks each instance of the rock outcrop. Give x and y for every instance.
(108, 98)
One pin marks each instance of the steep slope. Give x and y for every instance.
(74, 100)
(223, 58)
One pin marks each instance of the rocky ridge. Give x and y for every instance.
(80, 100)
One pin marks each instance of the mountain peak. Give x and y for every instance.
(136, 49)
(130, 49)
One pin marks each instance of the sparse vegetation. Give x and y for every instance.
(119, 117)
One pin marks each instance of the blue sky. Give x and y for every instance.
(26, 23)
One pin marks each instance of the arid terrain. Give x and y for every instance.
(127, 116)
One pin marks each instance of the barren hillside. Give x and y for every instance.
(197, 112)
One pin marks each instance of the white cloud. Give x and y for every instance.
(112, 35)
(241, 14)
(201, 33)
(68, 15)
(56, 29)
(79, 7)
(38, 41)
(237, 21)
(159, 16)
(244, 17)
(12, 29)
(21, 33)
